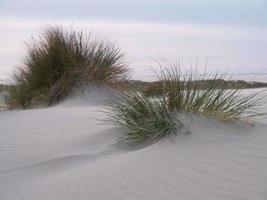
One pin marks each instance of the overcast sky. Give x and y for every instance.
(231, 34)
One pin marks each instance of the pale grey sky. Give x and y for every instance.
(231, 34)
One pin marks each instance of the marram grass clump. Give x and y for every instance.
(142, 118)
(156, 117)
(61, 59)
(191, 92)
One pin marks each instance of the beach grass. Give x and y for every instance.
(61, 59)
(185, 91)
(142, 117)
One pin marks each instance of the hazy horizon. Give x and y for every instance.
(232, 36)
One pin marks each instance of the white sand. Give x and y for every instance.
(63, 153)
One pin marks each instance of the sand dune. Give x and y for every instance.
(63, 152)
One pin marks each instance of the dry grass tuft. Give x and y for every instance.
(61, 59)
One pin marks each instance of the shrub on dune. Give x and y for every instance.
(60, 60)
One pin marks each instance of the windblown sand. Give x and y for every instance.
(65, 153)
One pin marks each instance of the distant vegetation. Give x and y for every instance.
(154, 88)
(59, 60)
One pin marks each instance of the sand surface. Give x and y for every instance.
(65, 153)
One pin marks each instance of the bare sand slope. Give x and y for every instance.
(63, 153)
